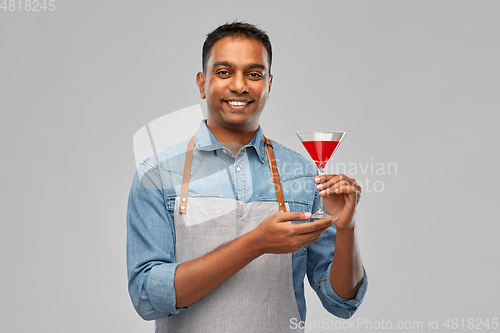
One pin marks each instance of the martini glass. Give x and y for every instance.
(321, 145)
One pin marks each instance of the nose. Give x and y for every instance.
(238, 84)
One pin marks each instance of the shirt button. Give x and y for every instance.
(225, 152)
(238, 168)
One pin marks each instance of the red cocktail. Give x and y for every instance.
(320, 151)
(321, 145)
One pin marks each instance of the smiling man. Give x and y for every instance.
(209, 248)
(236, 83)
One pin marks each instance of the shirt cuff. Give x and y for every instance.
(160, 289)
(349, 305)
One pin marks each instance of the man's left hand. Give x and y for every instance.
(341, 195)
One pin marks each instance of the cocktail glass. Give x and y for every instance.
(321, 145)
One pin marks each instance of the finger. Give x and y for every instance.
(351, 192)
(293, 216)
(345, 189)
(322, 178)
(308, 238)
(341, 180)
(329, 182)
(335, 187)
(314, 226)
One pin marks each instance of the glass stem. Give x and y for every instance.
(320, 209)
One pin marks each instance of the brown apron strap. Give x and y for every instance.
(275, 174)
(187, 174)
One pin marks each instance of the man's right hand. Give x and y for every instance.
(196, 278)
(275, 235)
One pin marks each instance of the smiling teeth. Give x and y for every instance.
(234, 103)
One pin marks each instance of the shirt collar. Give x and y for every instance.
(206, 141)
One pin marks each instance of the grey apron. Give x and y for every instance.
(258, 298)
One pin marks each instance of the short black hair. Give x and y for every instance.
(235, 29)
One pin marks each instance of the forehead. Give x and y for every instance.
(239, 51)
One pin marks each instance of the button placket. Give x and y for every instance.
(240, 176)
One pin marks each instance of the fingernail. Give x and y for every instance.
(319, 187)
(316, 179)
(307, 215)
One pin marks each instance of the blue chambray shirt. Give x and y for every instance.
(217, 173)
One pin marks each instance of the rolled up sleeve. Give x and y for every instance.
(341, 307)
(151, 262)
(319, 261)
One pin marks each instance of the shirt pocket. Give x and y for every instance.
(202, 208)
(170, 200)
(293, 206)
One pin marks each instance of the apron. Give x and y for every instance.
(258, 298)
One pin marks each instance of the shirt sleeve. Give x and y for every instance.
(150, 247)
(319, 262)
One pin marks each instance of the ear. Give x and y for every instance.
(200, 81)
(270, 82)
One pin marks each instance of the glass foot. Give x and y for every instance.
(322, 215)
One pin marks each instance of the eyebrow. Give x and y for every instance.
(256, 66)
(228, 64)
(221, 63)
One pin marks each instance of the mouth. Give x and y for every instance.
(237, 102)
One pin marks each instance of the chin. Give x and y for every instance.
(242, 119)
(241, 122)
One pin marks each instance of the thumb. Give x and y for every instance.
(293, 216)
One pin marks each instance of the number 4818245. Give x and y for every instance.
(28, 5)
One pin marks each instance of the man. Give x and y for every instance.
(209, 247)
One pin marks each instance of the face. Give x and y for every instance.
(236, 84)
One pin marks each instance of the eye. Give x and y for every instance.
(222, 73)
(255, 75)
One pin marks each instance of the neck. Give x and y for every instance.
(233, 138)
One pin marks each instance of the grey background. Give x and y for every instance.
(412, 82)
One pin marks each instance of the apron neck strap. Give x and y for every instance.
(275, 174)
(187, 173)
